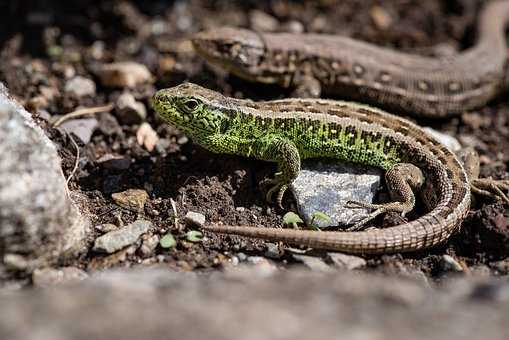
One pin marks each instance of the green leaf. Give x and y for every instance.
(320, 216)
(194, 236)
(167, 241)
(292, 218)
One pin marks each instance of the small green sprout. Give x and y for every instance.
(291, 218)
(318, 216)
(167, 241)
(194, 236)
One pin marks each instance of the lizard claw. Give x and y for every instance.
(276, 185)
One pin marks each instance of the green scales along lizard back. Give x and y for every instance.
(289, 130)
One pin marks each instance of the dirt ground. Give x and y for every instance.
(44, 43)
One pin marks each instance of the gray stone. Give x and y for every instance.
(194, 219)
(118, 239)
(348, 262)
(46, 277)
(285, 305)
(83, 128)
(130, 111)
(327, 186)
(38, 218)
(80, 86)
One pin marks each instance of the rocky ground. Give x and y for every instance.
(85, 72)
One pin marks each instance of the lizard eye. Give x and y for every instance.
(191, 105)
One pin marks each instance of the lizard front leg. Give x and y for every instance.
(286, 155)
(402, 180)
(268, 148)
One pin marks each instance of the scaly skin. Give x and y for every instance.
(314, 63)
(286, 131)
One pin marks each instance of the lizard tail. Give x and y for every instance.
(381, 241)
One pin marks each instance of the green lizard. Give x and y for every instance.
(286, 131)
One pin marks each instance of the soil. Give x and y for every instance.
(43, 43)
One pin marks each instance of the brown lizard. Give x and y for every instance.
(418, 85)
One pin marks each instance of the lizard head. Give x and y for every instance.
(240, 51)
(193, 109)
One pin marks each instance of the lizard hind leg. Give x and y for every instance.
(402, 180)
(489, 187)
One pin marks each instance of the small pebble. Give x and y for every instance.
(130, 111)
(149, 245)
(448, 263)
(124, 74)
(182, 140)
(273, 251)
(234, 261)
(118, 239)
(262, 265)
(293, 26)
(241, 256)
(97, 50)
(261, 21)
(313, 262)
(147, 136)
(37, 103)
(348, 262)
(15, 262)
(50, 93)
(194, 219)
(449, 141)
(114, 162)
(132, 199)
(83, 128)
(501, 266)
(480, 270)
(47, 277)
(380, 17)
(166, 64)
(80, 87)
(106, 227)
